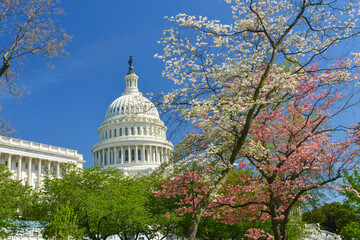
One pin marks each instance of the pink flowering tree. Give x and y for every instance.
(253, 113)
(289, 151)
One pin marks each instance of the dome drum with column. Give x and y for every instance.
(132, 136)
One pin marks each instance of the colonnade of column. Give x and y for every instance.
(131, 154)
(133, 131)
(31, 170)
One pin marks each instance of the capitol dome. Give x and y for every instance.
(132, 136)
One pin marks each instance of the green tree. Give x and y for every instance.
(13, 198)
(351, 231)
(332, 216)
(63, 225)
(104, 201)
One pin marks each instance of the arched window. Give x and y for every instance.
(126, 155)
(132, 155)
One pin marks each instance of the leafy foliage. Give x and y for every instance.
(332, 216)
(13, 198)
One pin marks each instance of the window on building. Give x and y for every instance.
(138, 130)
(146, 158)
(126, 131)
(132, 155)
(120, 131)
(110, 133)
(16, 165)
(126, 155)
(6, 163)
(26, 166)
(139, 154)
(144, 131)
(115, 132)
(132, 131)
(36, 168)
(106, 134)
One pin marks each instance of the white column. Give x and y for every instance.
(168, 155)
(103, 157)
(58, 169)
(122, 155)
(161, 154)
(94, 159)
(157, 159)
(49, 168)
(143, 154)
(29, 173)
(39, 172)
(116, 155)
(136, 154)
(108, 158)
(129, 154)
(9, 162)
(151, 154)
(19, 167)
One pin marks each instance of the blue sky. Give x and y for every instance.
(65, 106)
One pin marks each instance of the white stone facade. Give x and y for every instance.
(132, 136)
(30, 161)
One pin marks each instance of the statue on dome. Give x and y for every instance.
(131, 68)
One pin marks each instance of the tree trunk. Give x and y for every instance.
(279, 228)
(4, 68)
(201, 207)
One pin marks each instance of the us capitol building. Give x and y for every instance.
(132, 138)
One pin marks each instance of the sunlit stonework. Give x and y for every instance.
(31, 161)
(132, 136)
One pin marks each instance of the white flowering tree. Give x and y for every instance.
(241, 85)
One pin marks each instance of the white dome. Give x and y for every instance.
(132, 136)
(134, 105)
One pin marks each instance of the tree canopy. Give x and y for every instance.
(261, 95)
